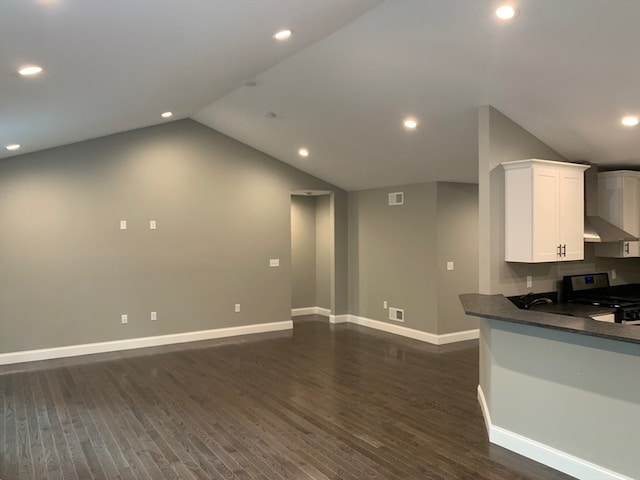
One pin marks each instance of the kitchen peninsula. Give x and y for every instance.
(563, 390)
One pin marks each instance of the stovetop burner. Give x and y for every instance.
(594, 289)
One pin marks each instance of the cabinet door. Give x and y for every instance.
(546, 210)
(572, 214)
(631, 214)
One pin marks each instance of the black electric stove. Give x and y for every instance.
(594, 289)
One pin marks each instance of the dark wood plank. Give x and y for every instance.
(321, 402)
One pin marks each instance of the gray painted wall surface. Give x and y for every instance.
(324, 247)
(392, 254)
(303, 251)
(578, 394)
(400, 253)
(457, 213)
(67, 272)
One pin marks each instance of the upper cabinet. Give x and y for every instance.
(544, 211)
(619, 203)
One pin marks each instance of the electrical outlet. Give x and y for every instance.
(529, 281)
(614, 275)
(449, 265)
(384, 304)
(154, 315)
(123, 224)
(237, 308)
(152, 224)
(274, 262)
(124, 318)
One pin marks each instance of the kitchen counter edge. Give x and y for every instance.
(500, 308)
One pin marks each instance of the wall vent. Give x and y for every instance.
(396, 198)
(396, 314)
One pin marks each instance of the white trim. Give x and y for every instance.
(415, 334)
(338, 318)
(485, 410)
(129, 344)
(296, 312)
(552, 457)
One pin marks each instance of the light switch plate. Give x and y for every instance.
(529, 281)
(154, 316)
(123, 224)
(152, 224)
(274, 262)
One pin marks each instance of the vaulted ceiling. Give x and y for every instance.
(341, 86)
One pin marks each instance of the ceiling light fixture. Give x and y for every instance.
(303, 152)
(167, 115)
(29, 70)
(410, 123)
(630, 121)
(282, 35)
(506, 12)
(13, 146)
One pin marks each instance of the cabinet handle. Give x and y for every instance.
(564, 250)
(559, 250)
(626, 247)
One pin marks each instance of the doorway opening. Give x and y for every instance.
(312, 252)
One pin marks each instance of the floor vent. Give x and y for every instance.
(396, 198)
(396, 314)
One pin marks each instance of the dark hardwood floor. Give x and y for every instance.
(339, 402)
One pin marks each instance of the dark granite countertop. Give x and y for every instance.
(572, 309)
(500, 308)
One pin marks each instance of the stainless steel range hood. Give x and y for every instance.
(596, 228)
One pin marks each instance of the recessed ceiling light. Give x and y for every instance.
(630, 121)
(282, 35)
(506, 12)
(410, 123)
(13, 146)
(167, 115)
(303, 152)
(30, 70)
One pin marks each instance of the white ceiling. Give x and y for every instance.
(566, 70)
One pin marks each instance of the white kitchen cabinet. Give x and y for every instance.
(544, 211)
(619, 203)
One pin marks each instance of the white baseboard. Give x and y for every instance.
(129, 344)
(485, 410)
(338, 318)
(415, 334)
(296, 312)
(552, 457)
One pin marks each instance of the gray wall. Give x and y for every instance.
(303, 251)
(502, 140)
(324, 247)
(580, 396)
(67, 272)
(457, 214)
(399, 254)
